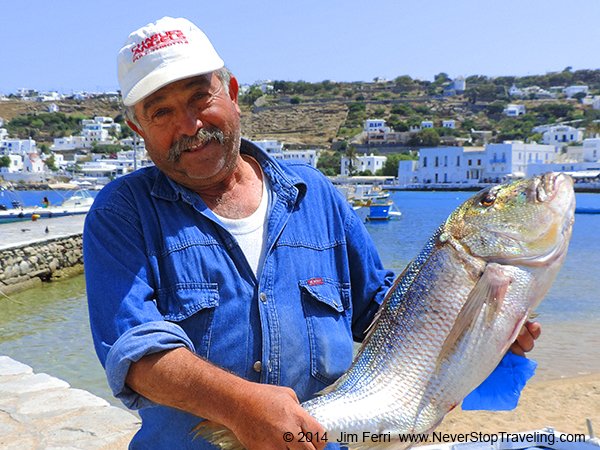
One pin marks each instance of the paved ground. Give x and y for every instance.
(38, 411)
(27, 232)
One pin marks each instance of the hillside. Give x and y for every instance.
(318, 114)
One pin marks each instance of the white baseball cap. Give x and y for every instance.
(160, 53)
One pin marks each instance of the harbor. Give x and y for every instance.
(46, 327)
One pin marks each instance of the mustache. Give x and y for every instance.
(202, 137)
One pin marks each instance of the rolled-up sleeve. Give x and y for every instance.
(124, 319)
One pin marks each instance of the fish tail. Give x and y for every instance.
(217, 435)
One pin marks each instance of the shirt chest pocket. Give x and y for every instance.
(192, 307)
(326, 309)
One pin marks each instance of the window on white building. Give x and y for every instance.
(458, 161)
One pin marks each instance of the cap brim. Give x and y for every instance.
(168, 73)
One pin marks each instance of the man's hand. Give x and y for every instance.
(271, 418)
(526, 339)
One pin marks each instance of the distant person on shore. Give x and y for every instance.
(45, 202)
(222, 284)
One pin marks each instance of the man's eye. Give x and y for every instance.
(200, 96)
(160, 113)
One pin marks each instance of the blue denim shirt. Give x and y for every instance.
(162, 273)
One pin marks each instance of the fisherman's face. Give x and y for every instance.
(191, 129)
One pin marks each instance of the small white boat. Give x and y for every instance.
(78, 203)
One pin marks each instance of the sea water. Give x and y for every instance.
(48, 329)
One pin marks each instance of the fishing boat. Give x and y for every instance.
(383, 210)
(78, 203)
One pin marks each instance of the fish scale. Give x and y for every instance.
(449, 318)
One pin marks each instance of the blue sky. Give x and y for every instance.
(71, 45)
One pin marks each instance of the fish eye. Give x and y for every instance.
(488, 199)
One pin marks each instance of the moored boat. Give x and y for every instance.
(78, 203)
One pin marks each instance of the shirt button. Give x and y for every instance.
(257, 366)
(263, 297)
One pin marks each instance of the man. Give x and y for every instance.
(219, 276)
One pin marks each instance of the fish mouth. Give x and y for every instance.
(546, 187)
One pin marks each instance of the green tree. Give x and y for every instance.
(251, 96)
(352, 156)
(51, 163)
(4, 161)
(329, 163)
(390, 168)
(425, 138)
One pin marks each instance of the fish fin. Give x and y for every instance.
(217, 435)
(490, 290)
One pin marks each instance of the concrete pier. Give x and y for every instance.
(42, 250)
(38, 411)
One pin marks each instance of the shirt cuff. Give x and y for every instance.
(133, 345)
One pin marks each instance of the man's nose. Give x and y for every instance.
(190, 122)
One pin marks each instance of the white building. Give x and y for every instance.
(512, 158)
(275, 149)
(459, 84)
(33, 163)
(451, 123)
(407, 170)
(562, 134)
(570, 91)
(514, 91)
(309, 157)
(17, 146)
(98, 129)
(591, 150)
(68, 143)
(450, 164)
(375, 125)
(270, 145)
(15, 165)
(513, 110)
(426, 124)
(362, 163)
(494, 163)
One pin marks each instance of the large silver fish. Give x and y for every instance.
(453, 313)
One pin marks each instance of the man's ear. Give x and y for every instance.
(234, 90)
(134, 127)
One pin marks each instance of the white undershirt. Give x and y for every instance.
(250, 232)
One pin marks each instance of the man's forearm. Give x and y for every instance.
(182, 380)
(258, 414)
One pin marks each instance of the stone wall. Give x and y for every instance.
(24, 266)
